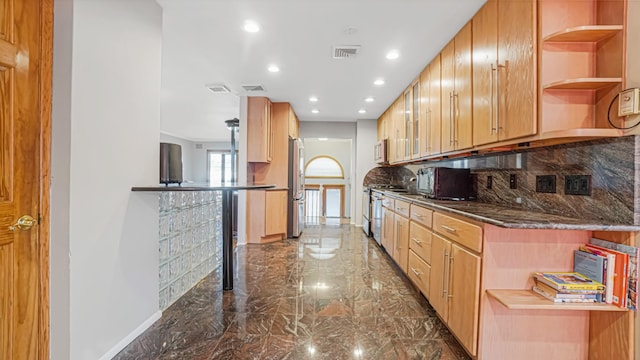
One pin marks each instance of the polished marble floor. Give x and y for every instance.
(331, 294)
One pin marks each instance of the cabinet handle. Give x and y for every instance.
(450, 271)
(417, 241)
(398, 236)
(498, 96)
(449, 229)
(444, 256)
(451, 118)
(427, 140)
(491, 103)
(415, 272)
(418, 216)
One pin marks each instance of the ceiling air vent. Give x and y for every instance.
(345, 51)
(253, 88)
(219, 88)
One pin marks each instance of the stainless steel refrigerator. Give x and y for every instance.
(295, 211)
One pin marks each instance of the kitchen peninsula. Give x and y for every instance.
(195, 229)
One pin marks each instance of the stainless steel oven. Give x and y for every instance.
(366, 211)
(376, 221)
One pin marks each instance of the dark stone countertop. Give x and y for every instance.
(506, 217)
(193, 187)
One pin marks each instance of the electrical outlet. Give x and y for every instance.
(546, 183)
(489, 181)
(577, 185)
(513, 181)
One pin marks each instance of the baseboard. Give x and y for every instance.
(132, 336)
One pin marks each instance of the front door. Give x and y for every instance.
(25, 101)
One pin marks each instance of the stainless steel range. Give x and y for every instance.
(372, 209)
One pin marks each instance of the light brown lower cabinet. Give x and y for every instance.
(387, 231)
(401, 241)
(266, 215)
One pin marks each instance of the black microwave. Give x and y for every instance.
(445, 183)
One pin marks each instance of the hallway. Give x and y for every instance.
(332, 294)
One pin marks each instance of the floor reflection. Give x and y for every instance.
(331, 294)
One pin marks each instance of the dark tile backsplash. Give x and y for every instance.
(610, 163)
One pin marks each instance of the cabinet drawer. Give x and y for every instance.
(388, 202)
(421, 215)
(420, 241)
(462, 232)
(402, 208)
(419, 272)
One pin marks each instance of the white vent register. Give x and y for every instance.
(345, 51)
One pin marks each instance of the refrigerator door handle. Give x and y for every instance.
(299, 196)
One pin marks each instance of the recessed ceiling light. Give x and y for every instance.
(251, 26)
(315, 111)
(362, 111)
(369, 99)
(378, 82)
(273, 68)
(313, 99)
(393, 54)
(323, 139)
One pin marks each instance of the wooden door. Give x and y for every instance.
(517, 69)
(25, 96)
(463, 89)
(464, 294)
(438, 279)
(408, 122)
(485, 62)
(447, 89)
(401, 242)
(434, 114)
(275, 210)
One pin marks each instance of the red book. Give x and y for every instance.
(620, 278)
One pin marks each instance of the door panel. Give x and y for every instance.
(464, 294)
(24, 99)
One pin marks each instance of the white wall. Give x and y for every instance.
(105, 140)
(367, 131)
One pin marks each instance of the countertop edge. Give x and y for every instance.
(202, 188)
(519, 223)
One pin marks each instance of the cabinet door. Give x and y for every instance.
(419, 272)
(259, 131)
(434, 114)
(463, 115)
(408, 124)
(275, 212)
(401, 242)
(516, 69)
(387, 230)
(415, 120)
(423, 110)
(447, 89)
(485, 60)
(464, 296)
(438, 279)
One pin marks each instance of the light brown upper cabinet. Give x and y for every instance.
(456, 100)
(429, 117)
(259, 131)
(398, 134)
(415, 120)
(504, 72)
(408, 124)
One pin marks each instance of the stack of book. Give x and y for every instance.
(565, 287)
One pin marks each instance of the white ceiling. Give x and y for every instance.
(204, 43)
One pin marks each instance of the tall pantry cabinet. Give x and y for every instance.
(504, 71)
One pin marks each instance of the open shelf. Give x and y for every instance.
(583, 84)
(587, 33)
(528, 300)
